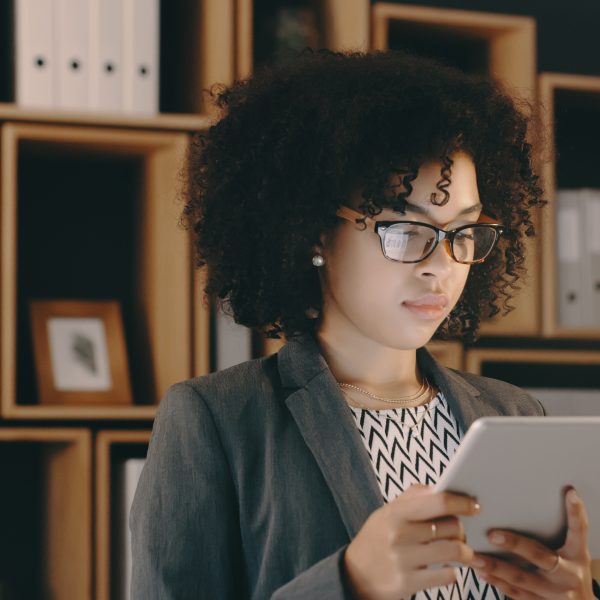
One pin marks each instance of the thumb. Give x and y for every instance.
(418, 488)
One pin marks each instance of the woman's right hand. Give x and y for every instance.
(388, 558)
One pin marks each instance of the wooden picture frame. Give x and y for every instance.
(79, 352)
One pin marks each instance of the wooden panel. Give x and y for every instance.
(177, 122)
(476, 357)
(346, 24)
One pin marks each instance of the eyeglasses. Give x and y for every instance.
(412, 241)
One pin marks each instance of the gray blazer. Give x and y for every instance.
(257, 478)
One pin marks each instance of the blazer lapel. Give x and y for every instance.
(327, 426)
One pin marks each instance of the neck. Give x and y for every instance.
(378, 369)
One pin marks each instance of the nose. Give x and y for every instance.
(439, 263)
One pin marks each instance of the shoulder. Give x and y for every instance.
(226, 389)
(516, 400)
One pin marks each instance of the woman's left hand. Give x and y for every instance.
(565, 573)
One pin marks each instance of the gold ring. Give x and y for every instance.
(558, 557)
(433, 530)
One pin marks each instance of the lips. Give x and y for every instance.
(429, 301)
(430, 307)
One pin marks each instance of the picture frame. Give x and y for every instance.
(79, 352)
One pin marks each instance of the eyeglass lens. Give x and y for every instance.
(411, 242)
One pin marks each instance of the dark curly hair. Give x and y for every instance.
(295, 141)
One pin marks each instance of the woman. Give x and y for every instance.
(359, 204)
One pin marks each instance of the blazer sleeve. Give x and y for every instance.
(184, 517)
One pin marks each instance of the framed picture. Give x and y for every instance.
(79, 352)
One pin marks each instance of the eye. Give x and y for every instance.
(463, 236)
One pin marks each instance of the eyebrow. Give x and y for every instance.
(417, 208)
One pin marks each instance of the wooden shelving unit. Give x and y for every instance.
(111, 447)
(137, 176)
(46, 542)
(570, 103)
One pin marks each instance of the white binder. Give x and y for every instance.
(141, 56)
(127, 477)
(234, 341)
(592, 244)
(35, 63)
(106, 55)
(571, 295)
(73, 29)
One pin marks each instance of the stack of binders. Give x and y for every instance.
(578, 252)
(88, 55)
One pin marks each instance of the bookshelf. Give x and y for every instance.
(570, 107)
(46, 542)
(112, 446)
(134, 177)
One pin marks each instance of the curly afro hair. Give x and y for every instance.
(294, 141)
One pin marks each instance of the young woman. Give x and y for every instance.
(359, 204)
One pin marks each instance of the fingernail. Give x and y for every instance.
(476, 506)
(573, 497)
(479, 562)
(498, 538)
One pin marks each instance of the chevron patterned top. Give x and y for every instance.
(402, 456)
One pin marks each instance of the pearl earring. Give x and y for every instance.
(318, 260)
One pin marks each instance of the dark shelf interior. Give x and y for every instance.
(78, 239)
(577, 116)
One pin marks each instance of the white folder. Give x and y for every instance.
(73, 53)
(571, 296)
(234, 341)
(106, 55)
(592, 243)
(35, 60)
(141, 56)
(127, 474)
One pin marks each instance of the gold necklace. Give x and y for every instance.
(396, 420)
(402, 400)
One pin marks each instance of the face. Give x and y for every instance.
(398, 305)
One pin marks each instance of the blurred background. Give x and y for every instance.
(98, 103)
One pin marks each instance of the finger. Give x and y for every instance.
(432, 505)
(447, 528)
(530, 581)
(576, 542)
(531, 550)
(509, 588)
(443, 551)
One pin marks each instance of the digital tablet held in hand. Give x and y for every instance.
(519, 468)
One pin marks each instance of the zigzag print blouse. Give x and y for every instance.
(401, 457)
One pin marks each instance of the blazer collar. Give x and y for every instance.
(328, 428)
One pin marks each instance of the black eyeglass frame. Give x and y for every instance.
(448, 235)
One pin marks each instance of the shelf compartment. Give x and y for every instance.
(497, 45)
(339, 25)
(46, 542)
(112, 447)
(569, 117)
(196, 40)
(116, 238)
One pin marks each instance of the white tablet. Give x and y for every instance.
(518, 468)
